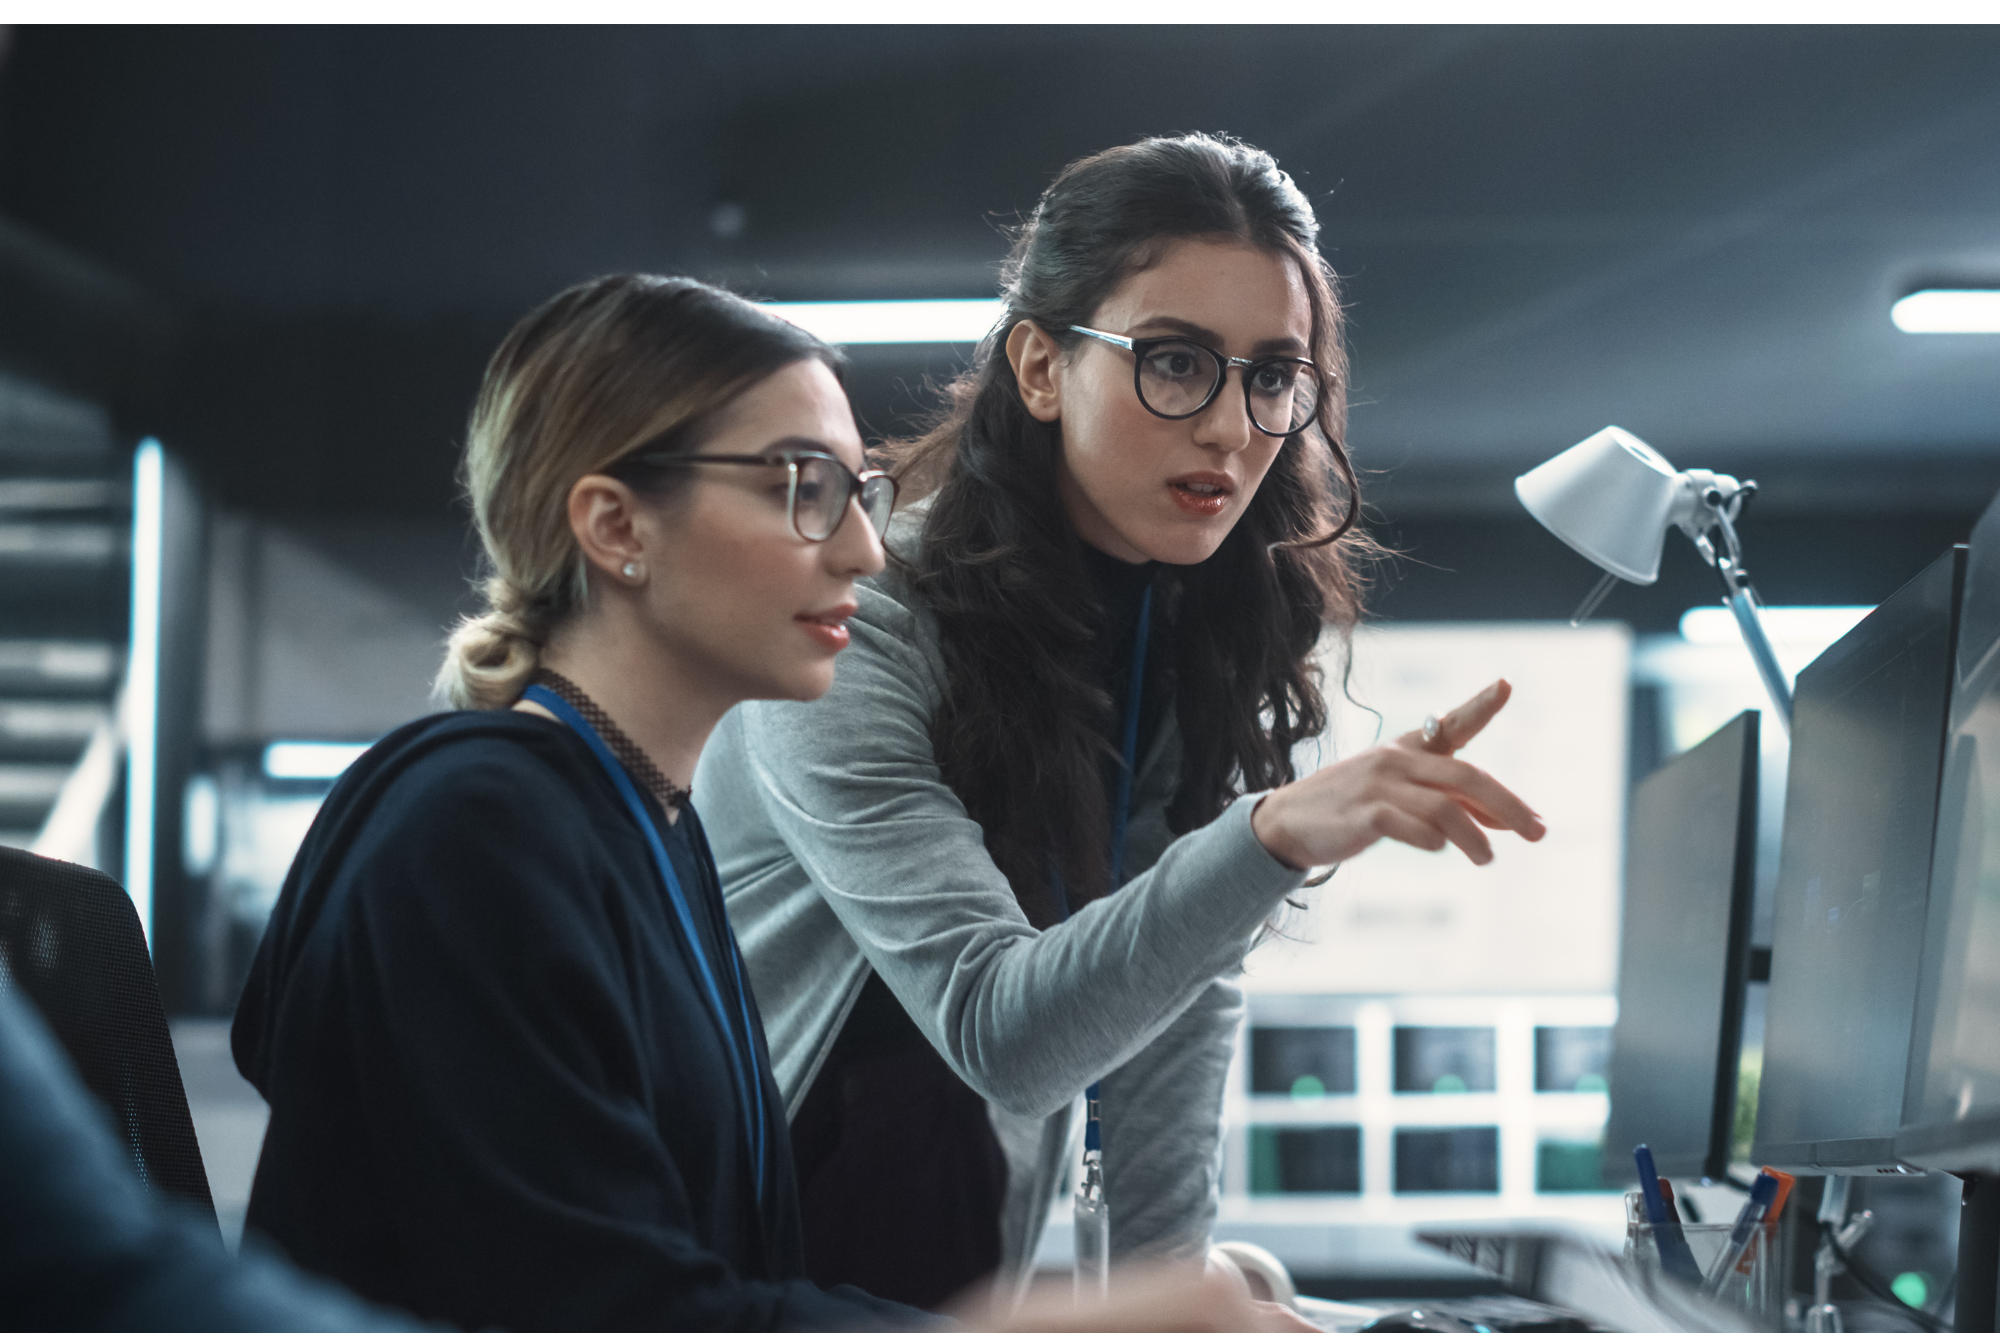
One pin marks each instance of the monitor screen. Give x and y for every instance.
(1951, 1108)
(1847, 927)
(1690, 846)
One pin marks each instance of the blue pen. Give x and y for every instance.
(1754, 1208)
(1675, 1256)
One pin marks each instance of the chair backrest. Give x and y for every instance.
(72, 943)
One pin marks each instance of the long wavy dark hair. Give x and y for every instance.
(1020, 737)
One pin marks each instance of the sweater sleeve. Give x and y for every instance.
(1163, 1132)
(505, 1108)
(1026, 1018)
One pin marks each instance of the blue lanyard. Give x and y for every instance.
(749, 1082)
(1121, 815)
(1135, 688)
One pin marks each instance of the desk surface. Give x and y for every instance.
(1504, 1314)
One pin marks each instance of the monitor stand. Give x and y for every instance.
(1978, 1253)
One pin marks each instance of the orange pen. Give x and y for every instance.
(1785, 1182)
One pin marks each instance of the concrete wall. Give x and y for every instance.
(328, 629)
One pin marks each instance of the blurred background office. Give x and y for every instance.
(248, 279)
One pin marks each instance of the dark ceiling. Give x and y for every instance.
(1694, 232)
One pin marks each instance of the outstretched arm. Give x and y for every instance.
(1025, 1017)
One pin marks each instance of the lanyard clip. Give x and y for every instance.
(1093, 1232)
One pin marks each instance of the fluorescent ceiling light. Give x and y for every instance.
(323, 760)
(851, 322)
(1813, 625)
(1942, 310)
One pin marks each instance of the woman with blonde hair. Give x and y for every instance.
(516, 1075)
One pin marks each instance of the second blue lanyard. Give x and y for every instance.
(1121, 814)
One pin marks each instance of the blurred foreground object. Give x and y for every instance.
(1581, 1273)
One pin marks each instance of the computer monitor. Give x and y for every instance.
(1951, 1104)
(1854, 867)
(1690, 852)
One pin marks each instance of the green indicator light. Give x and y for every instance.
(1592, 1083)
(1448, 1083)
(1912, 1289)
(1306, 1088)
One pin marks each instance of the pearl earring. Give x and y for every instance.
(633, 570)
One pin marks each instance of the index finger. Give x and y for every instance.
(1456, 729)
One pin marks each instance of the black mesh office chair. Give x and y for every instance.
(72, 943)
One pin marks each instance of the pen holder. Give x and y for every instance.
(1754, 1282)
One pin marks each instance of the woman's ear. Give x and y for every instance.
(601, 514)
(1037, 362)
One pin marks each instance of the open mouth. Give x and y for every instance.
(828, 628)
(1202, 494)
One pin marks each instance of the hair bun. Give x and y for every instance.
(490, 656)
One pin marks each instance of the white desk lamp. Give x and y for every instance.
(1612, 498)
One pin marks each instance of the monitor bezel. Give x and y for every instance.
(1712, 1162)
(1853, 1155)
(1971, 1144)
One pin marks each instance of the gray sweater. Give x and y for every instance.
(841, 849)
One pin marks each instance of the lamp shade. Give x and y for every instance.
(1610, 498)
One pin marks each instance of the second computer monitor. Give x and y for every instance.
(1853, 879)
(1689, 875)
(1951, 1108)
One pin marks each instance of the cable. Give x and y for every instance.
(1868, 1281)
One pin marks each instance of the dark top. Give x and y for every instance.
(901, 1177)
(498, 1095)
(86, 1248)
(1120, 588)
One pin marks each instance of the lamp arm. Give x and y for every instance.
(1741, 599)
(1742, 602)
(1708, 503)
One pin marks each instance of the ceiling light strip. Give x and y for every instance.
(849, 323)
(1948, 310)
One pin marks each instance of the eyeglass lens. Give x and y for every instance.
(1177, 378)
(825, 487)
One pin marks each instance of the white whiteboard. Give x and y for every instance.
(1540, 918)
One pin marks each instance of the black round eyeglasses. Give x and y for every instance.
(818, 487)
(1177, 378)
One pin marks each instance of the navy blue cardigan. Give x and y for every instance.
(498, 1096)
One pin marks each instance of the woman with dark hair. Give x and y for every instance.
(1009, 857)
(515, 1072)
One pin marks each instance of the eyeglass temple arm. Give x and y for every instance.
(1131, 344)
(1112, 338)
